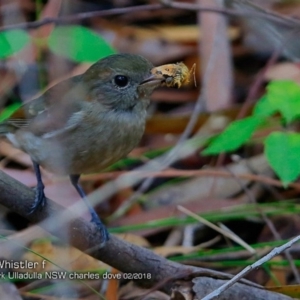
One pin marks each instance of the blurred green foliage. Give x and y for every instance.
(12, 41)
(74, 42)
(282, 149)
(79, 44)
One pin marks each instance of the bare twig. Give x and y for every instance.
(194, 173)
(81, 16)
(276, 251)
(172, 4)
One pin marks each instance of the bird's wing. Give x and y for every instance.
(54, 112)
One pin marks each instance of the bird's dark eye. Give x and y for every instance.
(121, 80)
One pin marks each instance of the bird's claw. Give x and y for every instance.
(101, 228)
(39, 200)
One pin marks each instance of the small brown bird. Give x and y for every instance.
(85, 123)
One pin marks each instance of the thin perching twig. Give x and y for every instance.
(276, 251)
(268, 222)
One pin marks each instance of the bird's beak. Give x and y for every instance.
(152, 81)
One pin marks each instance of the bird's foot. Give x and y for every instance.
(101, 228)
(39, 199)
(104, 236)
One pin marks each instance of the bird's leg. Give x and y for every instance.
(40, 199)
(95, 218)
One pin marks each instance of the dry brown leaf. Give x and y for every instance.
(176, 33)
(289, 290)
(189, 33)
(65, 257)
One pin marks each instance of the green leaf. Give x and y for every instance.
(284, 96)
(79, 43)
(283, 154)
(263, 107)
(12, 41)
(8, 111)
(237, 133)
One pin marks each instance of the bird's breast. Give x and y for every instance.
(96, 143)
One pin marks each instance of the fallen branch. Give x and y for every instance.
(126, 257)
